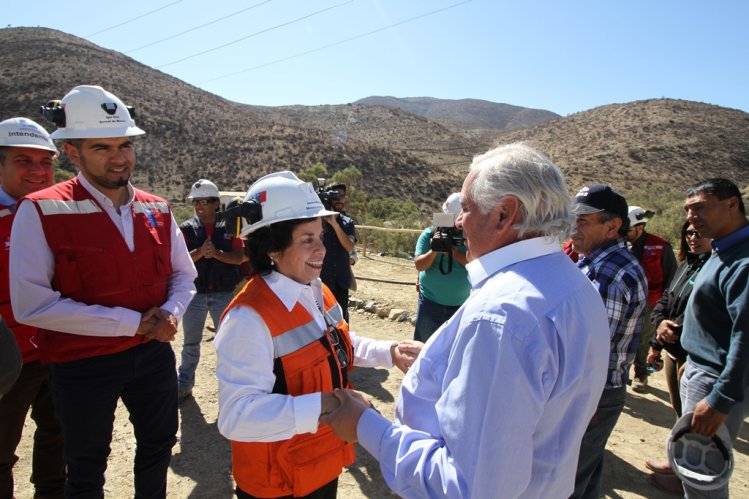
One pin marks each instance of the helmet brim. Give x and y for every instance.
(259, 225)
(97, 133)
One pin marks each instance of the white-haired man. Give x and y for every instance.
(498, 400)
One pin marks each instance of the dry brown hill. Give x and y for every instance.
(192, 133)
(461, 113)
(646, 145)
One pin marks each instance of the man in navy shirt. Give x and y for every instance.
(339, 236)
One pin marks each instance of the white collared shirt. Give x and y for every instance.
(32, 268)
(248, 410)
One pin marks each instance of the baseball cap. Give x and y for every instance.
(599, 197)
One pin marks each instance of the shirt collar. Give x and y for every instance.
(601, 252)
(6, 199)
(494, 261)
(731, 239)
(100, 197)
(289, 291)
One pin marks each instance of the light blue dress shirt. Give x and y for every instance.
(497, 403)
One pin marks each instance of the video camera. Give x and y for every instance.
(235, 211)
(445, 236)
(327, 196)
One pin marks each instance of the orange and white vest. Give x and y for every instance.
(305, 362)
(25, 335)
(93, 265)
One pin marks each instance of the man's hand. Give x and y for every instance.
(345, 419)
(209, 250)
(147, 322)
(706, 420)
(328, 403)
(163, 325)
(667, 331)
(404, 353)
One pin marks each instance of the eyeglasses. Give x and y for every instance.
(202, 201)
(334, 337)
(693, 233)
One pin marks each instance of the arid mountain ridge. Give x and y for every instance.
(651, 144)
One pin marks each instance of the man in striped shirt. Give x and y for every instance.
(601, 223)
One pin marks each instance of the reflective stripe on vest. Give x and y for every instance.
(299, 337)
(143, 207)
(60, 207)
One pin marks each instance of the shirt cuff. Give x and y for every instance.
(307, 412)
(128, 323)
(370, 431)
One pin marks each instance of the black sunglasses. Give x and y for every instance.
(203, 201)
(335, 340)
(693, 233)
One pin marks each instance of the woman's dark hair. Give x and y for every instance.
(683, 246)
(274, 237)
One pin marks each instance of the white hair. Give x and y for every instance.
(520, 171)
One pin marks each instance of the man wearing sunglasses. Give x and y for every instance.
(216, 255)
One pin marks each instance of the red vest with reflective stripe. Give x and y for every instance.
(24, 334)
(652, 256)
(93, 265)
(304, 463)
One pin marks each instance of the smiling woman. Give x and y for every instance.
(283, 347)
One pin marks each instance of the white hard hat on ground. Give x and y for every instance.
(22, 132)
(283, 196)
(203, 189)
(93, 113)
(452, 204)
(700, 462)
(637, 216)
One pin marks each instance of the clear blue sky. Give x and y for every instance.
(564, 56)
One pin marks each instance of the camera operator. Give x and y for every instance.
(339, 236)
(443, 284)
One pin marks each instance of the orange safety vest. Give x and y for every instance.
(305, 362)
(93, 265)
(24, 334)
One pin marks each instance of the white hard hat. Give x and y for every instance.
(203, 189)
(22, 132)
(452, 204)
(700, 462)
(93, 113)
(637, 216)
(283, 196)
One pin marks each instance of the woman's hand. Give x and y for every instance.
(404, 353)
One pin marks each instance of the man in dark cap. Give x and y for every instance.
(598, 237)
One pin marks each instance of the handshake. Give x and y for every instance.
(157, 324)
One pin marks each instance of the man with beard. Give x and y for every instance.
(339, 237)
(102, 270)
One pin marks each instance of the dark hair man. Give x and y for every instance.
(604, 258)
(716, 322)
(339, 236)
(102, 270)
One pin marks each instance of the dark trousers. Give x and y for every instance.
(86, 393)
(47, 465)
(329, 491)
(589, 476)
(430, 316)
(341, 296)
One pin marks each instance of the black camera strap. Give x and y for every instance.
(449, 263)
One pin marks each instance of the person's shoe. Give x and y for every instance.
(184, 394)
(669, 483)
(660, 467)
(640, 385)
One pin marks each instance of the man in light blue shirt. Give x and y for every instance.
(498, 401)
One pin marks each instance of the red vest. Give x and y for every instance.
(24, 334)
(652, 256)
(306, 462)
(94, 266)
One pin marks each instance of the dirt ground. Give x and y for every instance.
(201, 462)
